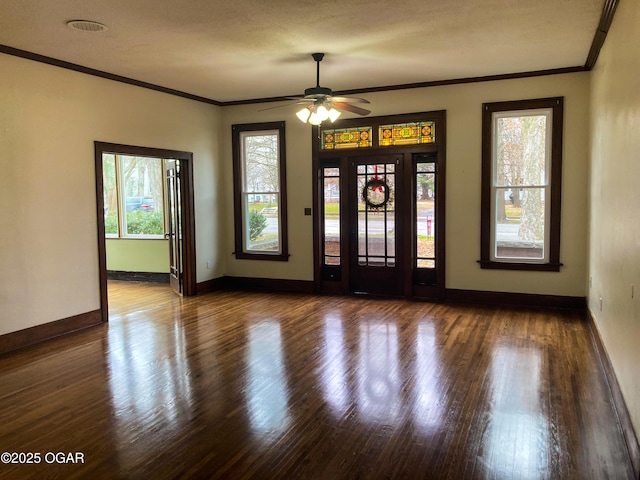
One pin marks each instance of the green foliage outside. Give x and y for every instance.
(111, 224)
(138, 223)
(145, 223)
(257, 224)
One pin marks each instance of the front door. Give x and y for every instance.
(376, 230)
(174, 223)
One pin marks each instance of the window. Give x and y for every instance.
(331, 213)
(133, 196)
(260, 191)
(521, 184)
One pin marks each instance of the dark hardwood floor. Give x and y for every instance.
(293, 386)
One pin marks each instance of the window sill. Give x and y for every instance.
(534, 267)
(136, 237)
(280, 257)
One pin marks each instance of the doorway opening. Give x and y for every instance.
(145, 195)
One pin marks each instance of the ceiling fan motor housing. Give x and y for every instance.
(317, 92)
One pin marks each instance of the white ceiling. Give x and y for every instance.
(242, 49)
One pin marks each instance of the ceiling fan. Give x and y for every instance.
(322, 105)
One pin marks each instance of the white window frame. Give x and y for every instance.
(545, 185)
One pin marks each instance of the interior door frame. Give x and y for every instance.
(339, 282)
(187, 208)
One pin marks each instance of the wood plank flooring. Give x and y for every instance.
(292, 386)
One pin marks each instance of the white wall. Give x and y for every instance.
(464, 115)
(49, 119)
(614, 259)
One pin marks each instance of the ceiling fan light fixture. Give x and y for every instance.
(322, 112)
(303, 114)
(315, 115)
(334, 114)
(321, 102)
(315, 119)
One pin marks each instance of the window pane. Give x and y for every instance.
(261, 163)
(110, 194)
(406, 133)
(376, 214)
(263, 222)
(142, 195)
(521, 150)
(520, 226)
(331, 210)
(425, 215)
(356, 137)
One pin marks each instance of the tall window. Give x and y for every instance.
(260, 191)
(521, 184)
(133, 196)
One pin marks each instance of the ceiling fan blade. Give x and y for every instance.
(351, 108)
(349, 100)
(277, 106)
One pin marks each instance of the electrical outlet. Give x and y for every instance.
(600, 303)
(208, 264)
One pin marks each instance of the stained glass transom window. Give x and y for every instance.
(355, 137)
(407, 133)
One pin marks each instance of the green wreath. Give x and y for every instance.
(375, 184)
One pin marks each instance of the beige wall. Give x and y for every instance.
(614, 260)
(464, 114)
(49, 119)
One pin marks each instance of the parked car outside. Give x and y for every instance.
(145, 204)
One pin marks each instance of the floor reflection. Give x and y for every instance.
(266, 391)
(429, 399)
(149, 381)
(334, 372)
(378, 382)
(517, 436)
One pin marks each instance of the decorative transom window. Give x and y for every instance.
(521, 179)
(260, 191)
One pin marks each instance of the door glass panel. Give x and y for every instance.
(425, 214)
(376, 214)
(331, 208)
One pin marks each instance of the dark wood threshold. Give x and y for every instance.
(619, 405)
(40, 333)
(152, 277)
(453, 295)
